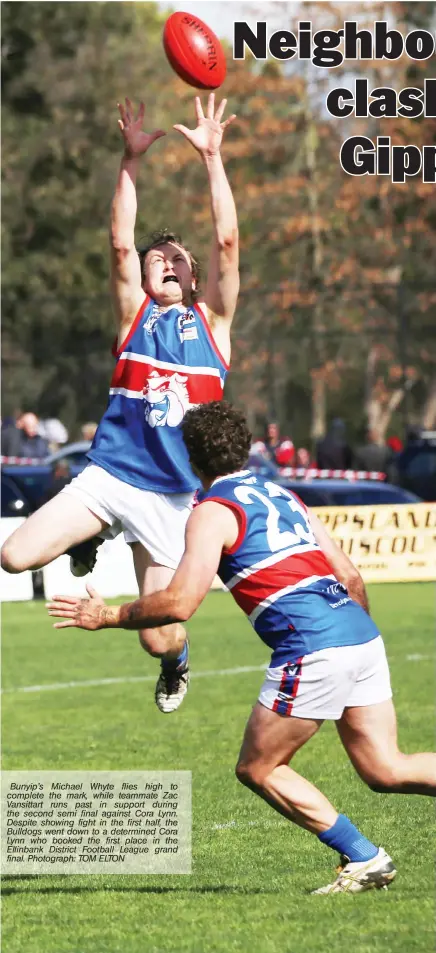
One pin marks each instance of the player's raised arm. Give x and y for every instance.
(126, 278)
(210, 527)
(342, 566)
(222, 285)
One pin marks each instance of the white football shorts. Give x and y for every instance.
(322, 684)
(156, 520)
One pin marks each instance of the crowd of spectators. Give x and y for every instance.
(25, 435)
(332, 452)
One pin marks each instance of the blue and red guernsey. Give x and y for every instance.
(167, 363)
(278, 574)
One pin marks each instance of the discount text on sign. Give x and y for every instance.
(386, 543)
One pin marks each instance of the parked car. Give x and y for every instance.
(263, 467)
(32, 481)
(322, 492)
(25, 486)
(347, 493)
(13, 500)
(73, 453)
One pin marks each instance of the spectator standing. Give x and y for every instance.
(28, 442)
(54, 432)
(396, 447)
(10, 435)
(373, 454)
(280, 450)
(395, 444)
(87, 431)
(10, 440)
(333, 451)
(303, 458)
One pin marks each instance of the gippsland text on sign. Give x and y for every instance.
(386, 543)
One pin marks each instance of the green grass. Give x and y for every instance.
(250, 881)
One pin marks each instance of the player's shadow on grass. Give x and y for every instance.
(217, 888)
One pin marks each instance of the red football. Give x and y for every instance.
(193, 51)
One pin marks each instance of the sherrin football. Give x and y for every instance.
(193, 51)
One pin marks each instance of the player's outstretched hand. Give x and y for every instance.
(207, 137)
(81, 613)
(136, 141)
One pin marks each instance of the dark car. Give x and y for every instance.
(33, 481)
(348, 493)
(323, 492)
(74, 454)
(28, 485)
(416, 466)
(13, 500)
(263, 467)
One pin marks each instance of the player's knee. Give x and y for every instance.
(384, 779)
(380, 786)
(242, 772)
(249, 774)
(158, 642)
(153, 641)
(12, 560)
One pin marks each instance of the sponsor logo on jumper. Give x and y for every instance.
(187, 326)
(156, 313)
(152, 320)
(335, 605)
(336, 588)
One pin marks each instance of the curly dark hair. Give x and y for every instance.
(217, 438)
(162, 237)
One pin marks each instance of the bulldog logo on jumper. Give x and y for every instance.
(166, 399)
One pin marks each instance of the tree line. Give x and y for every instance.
(338, 274)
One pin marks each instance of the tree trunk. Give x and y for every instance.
(387, 411)
(318, 426)
(319, 403)
(428, 416)
(379, 403)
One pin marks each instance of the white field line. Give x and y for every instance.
(97, 682)
(129, 679)
(238, 824)
(419, 658)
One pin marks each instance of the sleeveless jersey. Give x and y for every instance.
(278, 574)
(167, 363)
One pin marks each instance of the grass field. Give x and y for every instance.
(252, 871)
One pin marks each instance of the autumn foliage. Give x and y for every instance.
(338, 274)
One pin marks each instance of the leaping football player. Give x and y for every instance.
(172, 350)
(308, 603)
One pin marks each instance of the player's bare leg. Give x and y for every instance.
(61, 523)
(173, 680)
(369, 736)
(270, 742)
